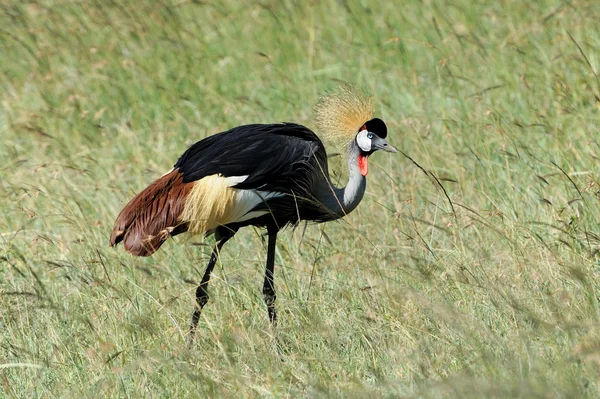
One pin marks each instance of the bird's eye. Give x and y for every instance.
(370, 135)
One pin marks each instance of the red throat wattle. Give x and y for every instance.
(362, 165)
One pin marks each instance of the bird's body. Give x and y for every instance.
(250, 175)
(265, 175)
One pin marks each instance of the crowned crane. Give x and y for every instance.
(265, 175)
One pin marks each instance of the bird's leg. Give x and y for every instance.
(222, 235)
(268, 286)
(201, 290)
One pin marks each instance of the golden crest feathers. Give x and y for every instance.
(341, 113)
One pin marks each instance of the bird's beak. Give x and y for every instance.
(382, 144)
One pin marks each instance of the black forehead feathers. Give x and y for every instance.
(377, 126)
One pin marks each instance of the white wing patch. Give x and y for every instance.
(248, 200)
(233, 180)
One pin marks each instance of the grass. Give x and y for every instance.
(470, 269)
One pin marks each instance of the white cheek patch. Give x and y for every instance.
(363, 141)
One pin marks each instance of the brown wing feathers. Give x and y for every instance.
(151, 216)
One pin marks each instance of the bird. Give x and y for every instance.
(263, 175)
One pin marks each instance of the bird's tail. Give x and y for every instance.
(152, 216)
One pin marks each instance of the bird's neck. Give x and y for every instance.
(342, 201)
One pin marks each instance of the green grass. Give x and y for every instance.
(469, 270)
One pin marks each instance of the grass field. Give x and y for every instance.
(470, 269)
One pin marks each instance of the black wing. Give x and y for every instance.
(283, 157)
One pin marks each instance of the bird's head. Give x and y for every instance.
(371, 137)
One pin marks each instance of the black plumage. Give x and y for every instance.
(274, 156)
